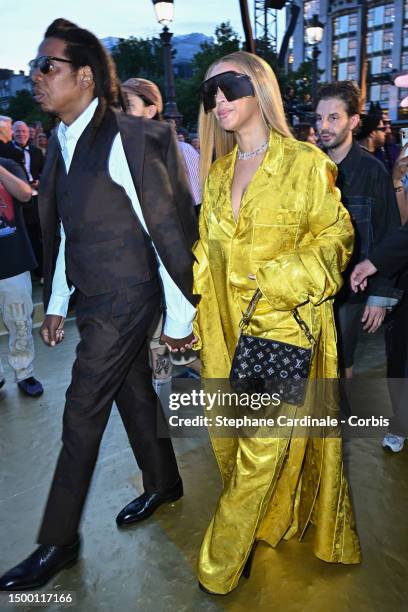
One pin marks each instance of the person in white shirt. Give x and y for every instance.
(113, 186)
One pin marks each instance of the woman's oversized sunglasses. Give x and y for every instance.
(233, 85)
(44, 63)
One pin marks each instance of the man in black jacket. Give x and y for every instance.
(33, 157)
(127, 229)
(367, 193)
(7, 149)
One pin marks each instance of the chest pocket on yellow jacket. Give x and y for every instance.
(274, 231)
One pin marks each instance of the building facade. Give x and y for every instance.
(385, 24)
(11, 83)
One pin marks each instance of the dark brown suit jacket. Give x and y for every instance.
(161, 185)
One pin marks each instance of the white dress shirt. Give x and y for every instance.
(192, 163)
(179, 311)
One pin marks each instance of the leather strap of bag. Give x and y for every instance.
(246, 317)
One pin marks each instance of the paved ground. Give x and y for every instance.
(152, 567)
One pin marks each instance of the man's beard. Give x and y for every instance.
(338, 141)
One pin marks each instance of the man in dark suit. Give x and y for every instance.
(33, 163)
(127, 228)
(7, 149)
(33, 157)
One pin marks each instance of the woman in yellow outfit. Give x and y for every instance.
(271, 219)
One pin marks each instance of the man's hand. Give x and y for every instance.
(52, 330)
(373, 317)
(178, 344)
(361, 272)
(400, 167)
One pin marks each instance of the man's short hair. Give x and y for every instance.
(347, 91)
(19, 122)
(368, 123)
(4, 119)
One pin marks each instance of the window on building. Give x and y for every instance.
(370, 41)
(342, 72)
(386, 63)
(388, 39)
(341, 25)
(375, 93)
(404, 61)
(343, 48)
(379, 15)
(376, 65)
(389, 13)
(351, 71)
(377, 41)
(405, 37)
(384, 93)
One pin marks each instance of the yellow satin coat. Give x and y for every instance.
(294, 234)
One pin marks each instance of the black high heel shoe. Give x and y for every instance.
(246, 572)
(204, 590)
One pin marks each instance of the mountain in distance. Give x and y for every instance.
(186, 45)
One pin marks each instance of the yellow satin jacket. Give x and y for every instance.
(293, 233)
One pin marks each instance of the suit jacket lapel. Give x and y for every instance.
(133, 139)
(47, 184)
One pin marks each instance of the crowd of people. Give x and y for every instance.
(283, 218)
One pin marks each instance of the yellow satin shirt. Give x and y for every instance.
(293, 233)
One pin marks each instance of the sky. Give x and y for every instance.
(23, 22)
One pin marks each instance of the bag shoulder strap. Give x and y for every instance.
(247, 316)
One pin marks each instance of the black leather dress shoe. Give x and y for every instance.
(40, 567)
(142, 507)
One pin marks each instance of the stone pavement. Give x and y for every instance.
(151, 567)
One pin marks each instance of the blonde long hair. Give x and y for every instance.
(267, 91)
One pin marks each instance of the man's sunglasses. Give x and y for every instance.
(233, 85)
(44, 63)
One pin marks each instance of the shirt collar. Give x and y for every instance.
(25, 148)
(74, 131)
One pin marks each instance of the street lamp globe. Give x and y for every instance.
(314, 31)
(164, 10)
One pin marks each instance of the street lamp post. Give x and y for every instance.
(314, 34)
(164, 10)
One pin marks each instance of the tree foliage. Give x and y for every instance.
(23, 107)
(138, 57)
